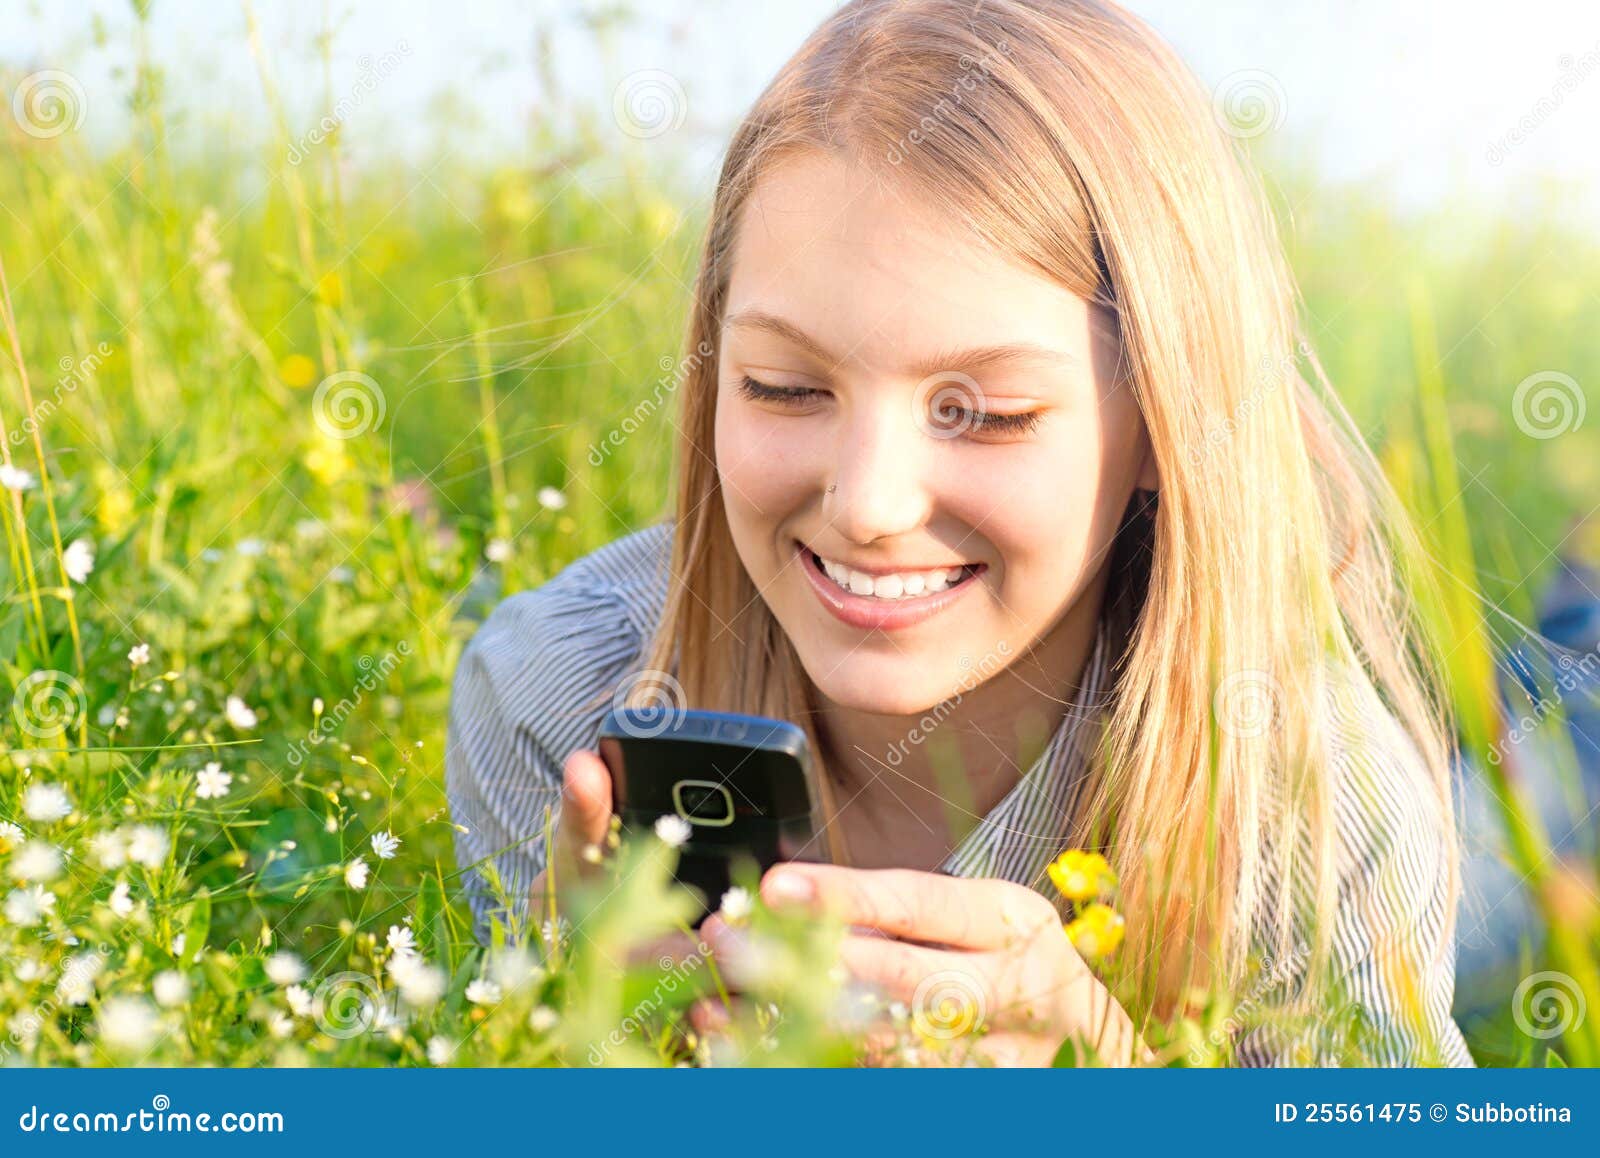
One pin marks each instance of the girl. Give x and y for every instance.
(1001, 449)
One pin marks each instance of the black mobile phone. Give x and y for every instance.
(743, 784)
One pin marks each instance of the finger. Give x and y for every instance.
(736, 962)
(879, 1046)
(585, 817)
(675, 952)
(947, 994)
(709, 1016)
(918, 906)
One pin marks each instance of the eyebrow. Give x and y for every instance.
(1008, 353)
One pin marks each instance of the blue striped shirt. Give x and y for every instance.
(524, 699)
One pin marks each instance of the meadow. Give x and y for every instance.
(278, 428)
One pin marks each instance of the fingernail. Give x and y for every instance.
(789, 886)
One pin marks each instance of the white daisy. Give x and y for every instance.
(299, 1000)
(356, 873)
(9, 832)
(239, 713)
(402, 941)
(15, 479)
(121, 902)
(46, 802)
(78, 560)
(147, 845)
(212, 782)
(514, 968)
(139, 655)
(36, 861)
(171, 988)
(551, 499)
(483, 992)
(385, 844)
(440, 1051)
(30, 905)
(673, 830)
(284, 968)
(736, 905)
(280, 1025)
(497, 550)
(76, 986)
(543, 1019)
(129, 1023)
(110, 848)
(420, 984)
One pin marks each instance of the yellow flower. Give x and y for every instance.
(330, 289)
(115, 509)
(298, 371)
(1096, 932)
(1080, 875)
(327, 461)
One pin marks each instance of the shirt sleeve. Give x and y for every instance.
(523, 699)
(1392, 957)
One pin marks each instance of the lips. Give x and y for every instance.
(870, 613)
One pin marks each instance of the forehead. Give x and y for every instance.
(874, 272)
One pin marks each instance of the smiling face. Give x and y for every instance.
(964, 409)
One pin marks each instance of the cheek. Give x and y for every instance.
(1039, 509)
(763, 463)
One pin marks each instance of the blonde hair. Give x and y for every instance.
(1067, 133)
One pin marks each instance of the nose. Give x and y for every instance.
(880, 476)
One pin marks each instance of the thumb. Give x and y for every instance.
(585, 803)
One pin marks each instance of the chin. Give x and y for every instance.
(904, 697)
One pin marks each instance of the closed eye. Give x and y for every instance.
(783, 395)
(949, 416)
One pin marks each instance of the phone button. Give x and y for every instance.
(733, 731)
(703, 802)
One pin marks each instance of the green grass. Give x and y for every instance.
(168, 322)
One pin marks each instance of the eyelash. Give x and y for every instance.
(755, 391)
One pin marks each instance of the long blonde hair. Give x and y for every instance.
(1067, 133)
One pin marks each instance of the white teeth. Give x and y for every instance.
(901, 585)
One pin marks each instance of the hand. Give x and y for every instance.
(959, 953)
(579, 838)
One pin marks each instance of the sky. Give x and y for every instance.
(1473, 101)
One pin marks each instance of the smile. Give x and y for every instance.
(885, 600)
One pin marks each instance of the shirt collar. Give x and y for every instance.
(1018, 838)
